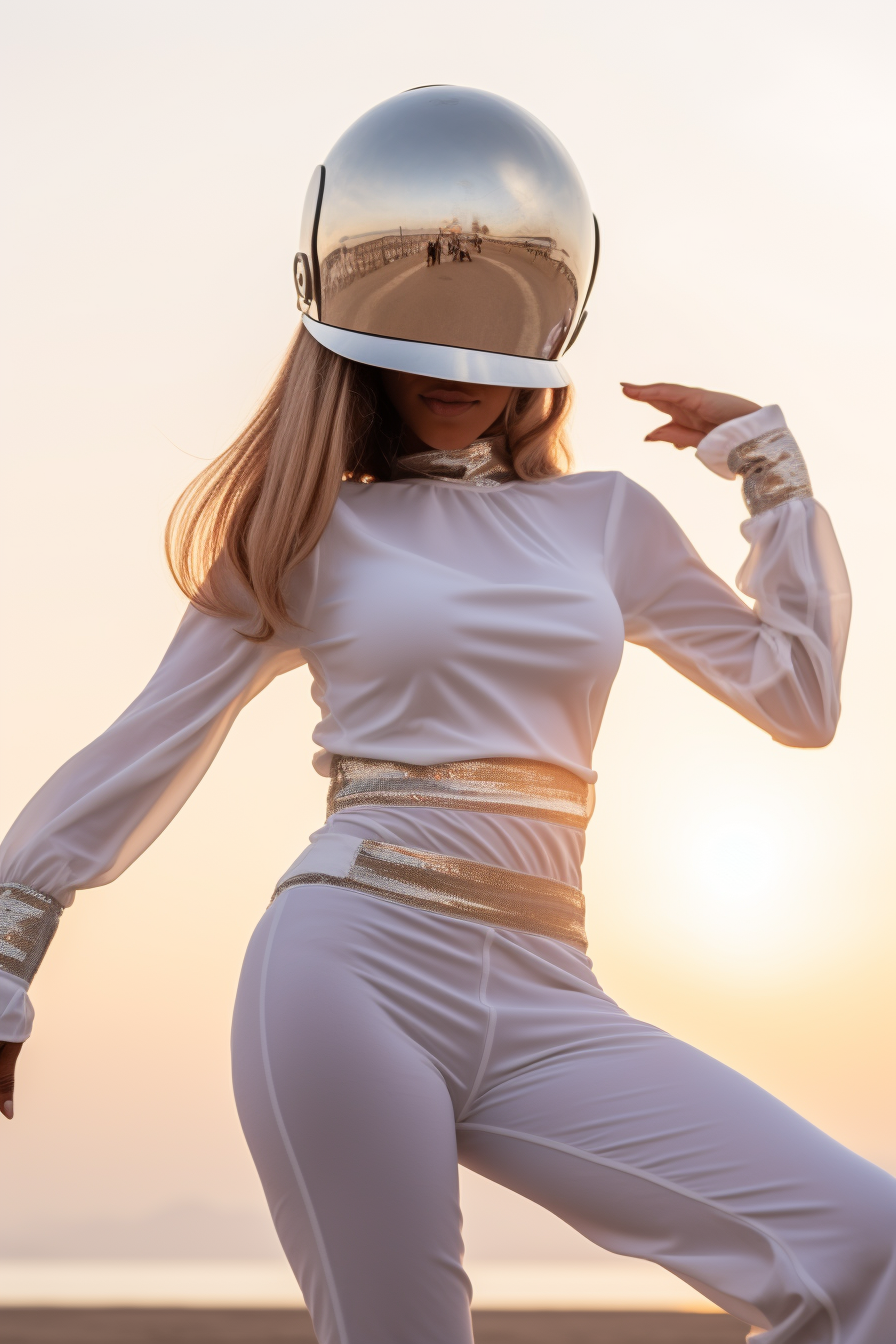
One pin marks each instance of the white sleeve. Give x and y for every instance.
(777, 663)
(106, 805)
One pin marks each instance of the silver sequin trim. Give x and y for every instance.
(480, 892)
(513, 787)
(483, 463)
(28, 920)
(772, 468)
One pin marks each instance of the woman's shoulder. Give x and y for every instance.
(609, 500)
(609, 483)
(589, 485)
(587, 480)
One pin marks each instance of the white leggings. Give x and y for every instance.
(375, 1046)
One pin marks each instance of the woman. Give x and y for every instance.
(399, 515)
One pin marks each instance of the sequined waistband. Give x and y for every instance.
(516, 788)
(461, 888)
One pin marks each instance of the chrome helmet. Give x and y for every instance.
(448, 233)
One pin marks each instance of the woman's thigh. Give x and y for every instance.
(651, 1148)
(351, 1126)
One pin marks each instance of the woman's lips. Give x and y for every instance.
(447, 405)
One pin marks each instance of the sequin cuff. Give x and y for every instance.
(28, 920)
(772, 470)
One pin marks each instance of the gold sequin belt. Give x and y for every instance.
(461, 888)
(516, 788)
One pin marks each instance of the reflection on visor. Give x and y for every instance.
(516, 294)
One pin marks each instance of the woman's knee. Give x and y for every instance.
(859, 1266)
(872, 1218)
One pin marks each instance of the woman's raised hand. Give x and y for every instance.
(9, 1053)
(693, 411)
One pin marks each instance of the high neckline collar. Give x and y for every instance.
(486, 462)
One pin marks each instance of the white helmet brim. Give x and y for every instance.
(453, 363)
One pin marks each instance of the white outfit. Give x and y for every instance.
(446, 623)
(375, 1045)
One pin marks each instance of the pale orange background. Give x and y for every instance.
(739, 157)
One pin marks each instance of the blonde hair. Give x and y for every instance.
(261, 507)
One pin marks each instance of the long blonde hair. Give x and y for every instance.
(260, 507)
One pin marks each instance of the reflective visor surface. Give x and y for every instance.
(453, 217)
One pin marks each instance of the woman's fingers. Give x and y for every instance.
(681, 435)
(9, 1053)
(686, 426)
(675, 392)
(669, 400)
(682, 415)
(696, 407)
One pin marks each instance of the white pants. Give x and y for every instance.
(375, 1046)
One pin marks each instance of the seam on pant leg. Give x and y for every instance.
(278, 1116)
(805, 1278)
(490, 1029)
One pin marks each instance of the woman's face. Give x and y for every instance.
(442, 414)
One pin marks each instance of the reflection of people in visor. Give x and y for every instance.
(400, 515)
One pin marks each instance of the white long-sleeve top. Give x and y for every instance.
(443, 622)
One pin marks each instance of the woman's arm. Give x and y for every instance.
(779, 662)
(110, 801)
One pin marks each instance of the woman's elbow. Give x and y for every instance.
(821, 735)
(808, 734)
(803, 709)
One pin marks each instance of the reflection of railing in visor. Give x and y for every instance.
(341, 267)
(346, 264)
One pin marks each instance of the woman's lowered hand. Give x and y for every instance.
(9, 1053)
(692, 411)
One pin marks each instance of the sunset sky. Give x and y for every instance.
(739, 158)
